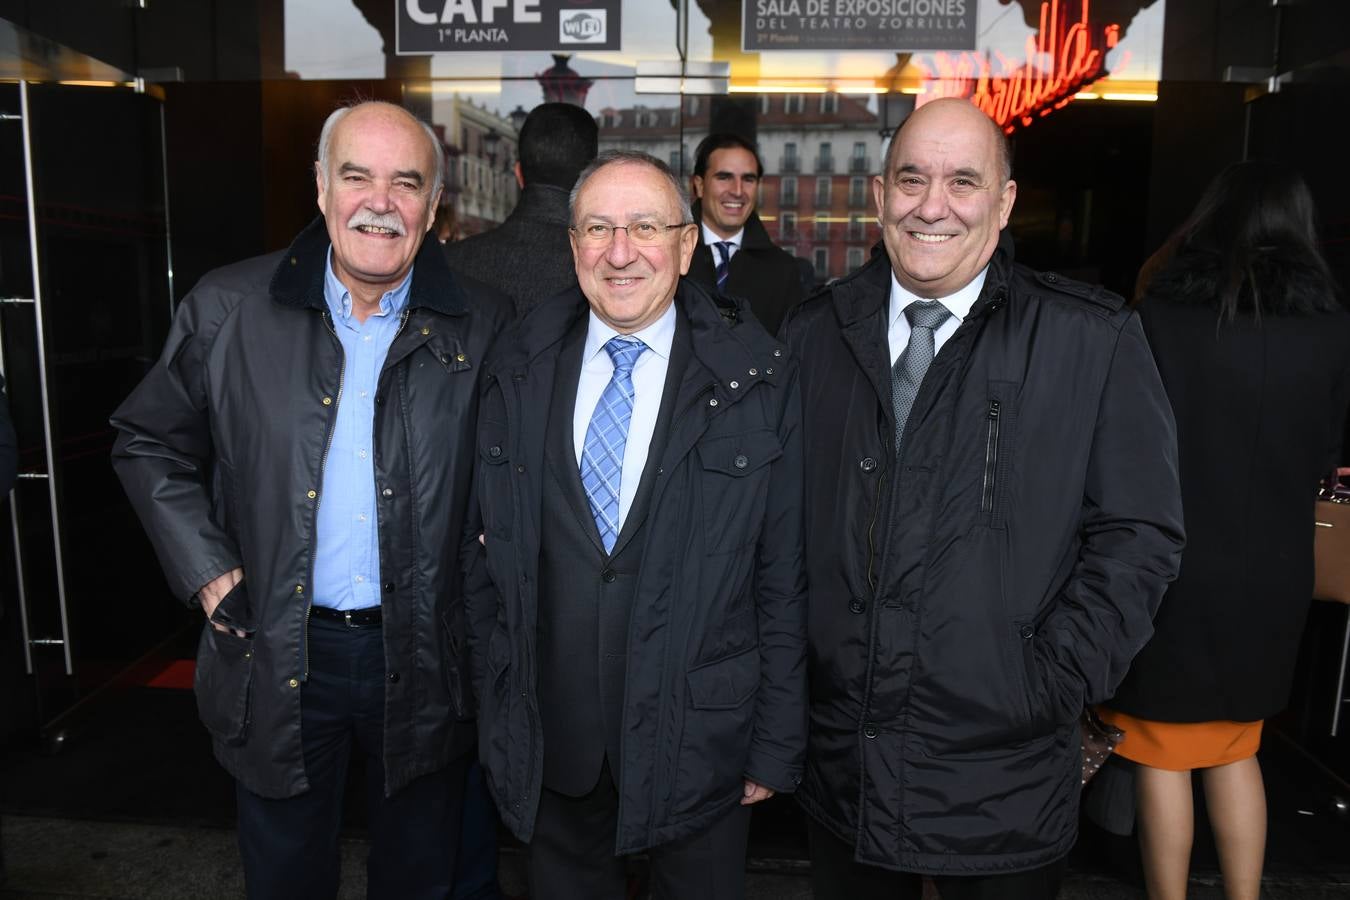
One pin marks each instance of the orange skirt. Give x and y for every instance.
(1179, 746)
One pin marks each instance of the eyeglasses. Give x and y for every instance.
(641, 233)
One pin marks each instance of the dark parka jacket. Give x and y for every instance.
(221, 450)
(716, 671)
(968, 599)
(1259, 403)
(760, 272)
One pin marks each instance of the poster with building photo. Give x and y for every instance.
(460, 26)
(858, 25)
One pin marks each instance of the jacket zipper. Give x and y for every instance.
(990, 458)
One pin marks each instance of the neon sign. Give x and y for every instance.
(1062, 57)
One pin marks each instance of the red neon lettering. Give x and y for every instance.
(1061, 58)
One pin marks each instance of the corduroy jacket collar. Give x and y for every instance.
(298, 280)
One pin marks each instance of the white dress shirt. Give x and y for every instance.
(957, 304)
(649, 382)
(711, 237)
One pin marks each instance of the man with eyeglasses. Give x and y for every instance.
(637, 610)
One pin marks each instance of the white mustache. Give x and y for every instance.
(391, 221)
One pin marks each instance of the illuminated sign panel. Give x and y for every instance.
(1066, 54)
(857, 25)
(447, 26)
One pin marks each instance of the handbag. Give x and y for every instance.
(1099, 741)
(1331, 542)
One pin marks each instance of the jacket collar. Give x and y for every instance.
(868, 290)
(542, 203)
(756, 236)
(298, 279)
(729, 349)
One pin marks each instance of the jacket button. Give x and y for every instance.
(327, 401)
(388, 586)
(379, 399)
(387, 492)
(426, 330)
(1051, 277)
(856, 605)
(754, 371)
(393, 677)
(733, 385)
(460, 357)
(495, 451)
(311, 494)
(294, 682)
(868, 464)
(1027, 632)
(609, 576)
(869, 731)
(740, 461)
(445, 358)
(520, 469)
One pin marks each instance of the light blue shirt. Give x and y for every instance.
(347, 562)
(649, 383)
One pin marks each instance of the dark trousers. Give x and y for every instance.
(476, 864)
(835, 875)
(290, 847)
(572, 854)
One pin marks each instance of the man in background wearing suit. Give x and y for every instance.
(735, 255)
(638, 606)
(527, 256)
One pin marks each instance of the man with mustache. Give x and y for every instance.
(301, 457)
(992, 516)
(638, 612)
(735, 256)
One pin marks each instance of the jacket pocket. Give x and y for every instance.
(223, 683)
(725, 683)
(715, 734)
(457, 681)
(735, 469)
(494, 490)
(235, 611)
(999, 424)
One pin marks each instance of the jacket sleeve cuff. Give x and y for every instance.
(763, 769)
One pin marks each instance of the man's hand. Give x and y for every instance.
(754, 793)
(214, 591)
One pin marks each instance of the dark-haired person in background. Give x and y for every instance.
(735, 254)
(528, 256)
(1250, 339)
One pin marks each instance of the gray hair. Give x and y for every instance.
(337, 115)
(614, 157)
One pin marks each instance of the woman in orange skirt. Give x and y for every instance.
(1250, 340)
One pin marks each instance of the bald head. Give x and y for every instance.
(389, 113)
(955, 109)
(943, 197)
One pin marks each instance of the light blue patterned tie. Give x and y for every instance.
(606, 437)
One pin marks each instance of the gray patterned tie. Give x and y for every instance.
(907, 374)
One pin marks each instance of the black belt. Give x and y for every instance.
(370, 617)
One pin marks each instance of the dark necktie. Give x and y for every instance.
(723, 263)
(907, 373)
